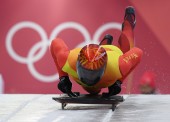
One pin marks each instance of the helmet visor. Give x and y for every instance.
(89, 77)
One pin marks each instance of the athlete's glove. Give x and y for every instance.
(114, 89)
(65, 86)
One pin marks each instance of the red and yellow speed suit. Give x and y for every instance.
(121, 60)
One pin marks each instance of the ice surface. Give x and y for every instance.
(41, 108)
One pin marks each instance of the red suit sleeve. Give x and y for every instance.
(59, 52)
(129, 60)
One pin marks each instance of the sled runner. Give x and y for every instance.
(88, 99)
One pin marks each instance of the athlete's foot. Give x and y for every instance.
(130, 16)
(107, 40)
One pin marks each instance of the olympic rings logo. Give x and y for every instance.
(44, 43)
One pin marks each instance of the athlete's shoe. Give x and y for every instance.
(107, 40)
(130, 16)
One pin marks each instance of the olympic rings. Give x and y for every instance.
(44, 43)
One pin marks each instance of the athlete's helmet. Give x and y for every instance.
(91, 64)
(148, 78)
(147, 83)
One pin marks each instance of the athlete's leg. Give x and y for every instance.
(126, 39)
(59, 52)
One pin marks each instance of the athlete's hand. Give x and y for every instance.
(65, 86)
(114, 89)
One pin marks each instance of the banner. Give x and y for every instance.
(28, 27)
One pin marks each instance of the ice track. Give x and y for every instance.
(41, 108)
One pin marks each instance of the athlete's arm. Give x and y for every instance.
(60, 52)
(129, 60)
